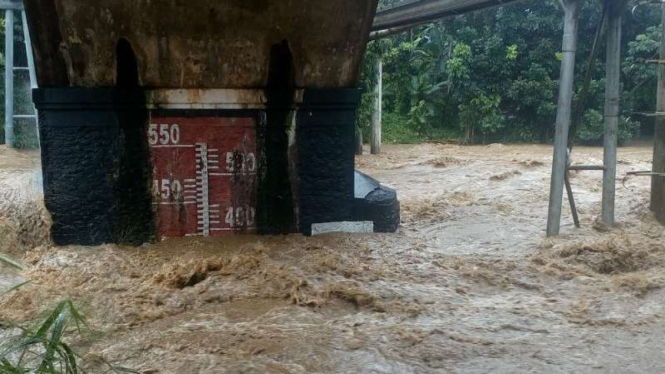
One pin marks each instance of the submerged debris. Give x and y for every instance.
(611, 256)
(505, 175)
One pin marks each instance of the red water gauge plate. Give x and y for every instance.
(204, 175)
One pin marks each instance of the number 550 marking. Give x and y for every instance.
(163, 135)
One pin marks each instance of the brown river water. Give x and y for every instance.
(469, 283)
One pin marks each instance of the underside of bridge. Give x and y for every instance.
(178, 118)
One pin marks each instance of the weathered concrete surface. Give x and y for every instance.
(199, 43)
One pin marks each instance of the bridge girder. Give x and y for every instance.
(198, 43)
(423, 11)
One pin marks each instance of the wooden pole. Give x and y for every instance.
(612, 96)
(658, 181)
(376, 115)
(571, 20)
(571, 199)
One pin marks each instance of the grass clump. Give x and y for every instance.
(43, 349)
(6, 260)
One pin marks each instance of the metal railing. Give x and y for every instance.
(11, 6)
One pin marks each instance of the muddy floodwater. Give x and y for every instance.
(469, 283)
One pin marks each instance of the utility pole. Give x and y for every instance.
(9, 77)
(359, 141)
(612, 95)
(376, 114)
(658, 181)
(571, 9)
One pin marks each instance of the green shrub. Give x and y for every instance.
(483, 114)
(591, 129)
(396, 129)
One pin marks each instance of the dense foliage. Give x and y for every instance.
(493, 75)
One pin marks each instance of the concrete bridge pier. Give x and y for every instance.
(196, 118)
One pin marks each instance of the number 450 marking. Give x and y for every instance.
(164, 135)
(167, 188)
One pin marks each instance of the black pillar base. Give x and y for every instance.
(326, 156)
(95, 165)
(97, 173)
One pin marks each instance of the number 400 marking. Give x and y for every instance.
(240, 216)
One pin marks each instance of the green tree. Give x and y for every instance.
(492, 75)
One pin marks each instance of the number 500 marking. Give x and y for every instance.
(163, 135)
